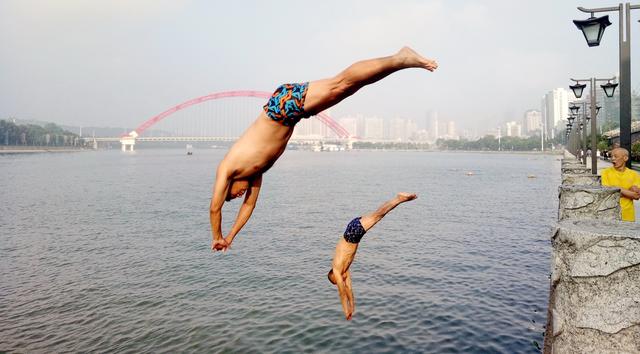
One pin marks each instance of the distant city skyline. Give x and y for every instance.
(118, 63)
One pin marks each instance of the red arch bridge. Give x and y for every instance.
(226, 128)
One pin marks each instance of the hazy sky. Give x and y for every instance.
(119, 62)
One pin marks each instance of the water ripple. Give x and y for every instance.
(94, 264)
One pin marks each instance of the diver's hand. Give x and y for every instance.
(229, 240)
(219, 245)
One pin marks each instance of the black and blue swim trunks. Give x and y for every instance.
(354, 231)
(286, 104)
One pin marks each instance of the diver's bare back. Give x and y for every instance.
(258, 148)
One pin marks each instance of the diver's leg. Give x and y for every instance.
(323, 94)
(367, 221)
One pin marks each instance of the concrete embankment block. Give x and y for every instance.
(587, 180)
(594, 304)
(572, 163)
(588, 202)
(575, 170)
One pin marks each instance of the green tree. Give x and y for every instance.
(34, 135)
(635, 151)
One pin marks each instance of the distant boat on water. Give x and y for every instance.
(189, 149)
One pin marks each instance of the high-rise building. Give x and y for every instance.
(303, 128)
(514, 129)
(555, 110)
(397, 129)
(311, 127)
(350, 124)
(532, 121)
(411, 129)
(373, 128)
(401, 129)
(435, 134)
(421, 135)
(543, 114)
(451, 129)
(318, 128)
(495, 132)
(359, 125)
(469, 134)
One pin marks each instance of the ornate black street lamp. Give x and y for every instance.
(593, 28)
(608, 88)
(574, 109)
(577, 89)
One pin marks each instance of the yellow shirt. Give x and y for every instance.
(613, 178)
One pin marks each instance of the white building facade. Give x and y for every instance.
(555, 110)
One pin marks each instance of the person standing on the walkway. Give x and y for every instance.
(626, 179)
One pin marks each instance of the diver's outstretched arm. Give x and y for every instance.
(343, 292)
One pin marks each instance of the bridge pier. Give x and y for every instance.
(128, 140)
(124, 146)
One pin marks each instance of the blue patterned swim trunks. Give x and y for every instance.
(354, 231)
(286, 105)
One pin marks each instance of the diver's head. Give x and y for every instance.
(237, 188)
(331, 277)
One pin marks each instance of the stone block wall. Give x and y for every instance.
(595, 288)
(594, 297)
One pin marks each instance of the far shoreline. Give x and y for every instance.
(36, 149)
(554, 152)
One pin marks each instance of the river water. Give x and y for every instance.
(109, 251)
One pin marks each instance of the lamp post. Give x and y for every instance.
(593, 29)
(581, 117)
(583, 132)
(569, 140)
(609, 89)
(573, 139)
(570, 119)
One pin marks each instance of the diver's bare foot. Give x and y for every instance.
(412, 59)
(405, 197)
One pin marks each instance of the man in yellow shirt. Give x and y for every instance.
(627, 180)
